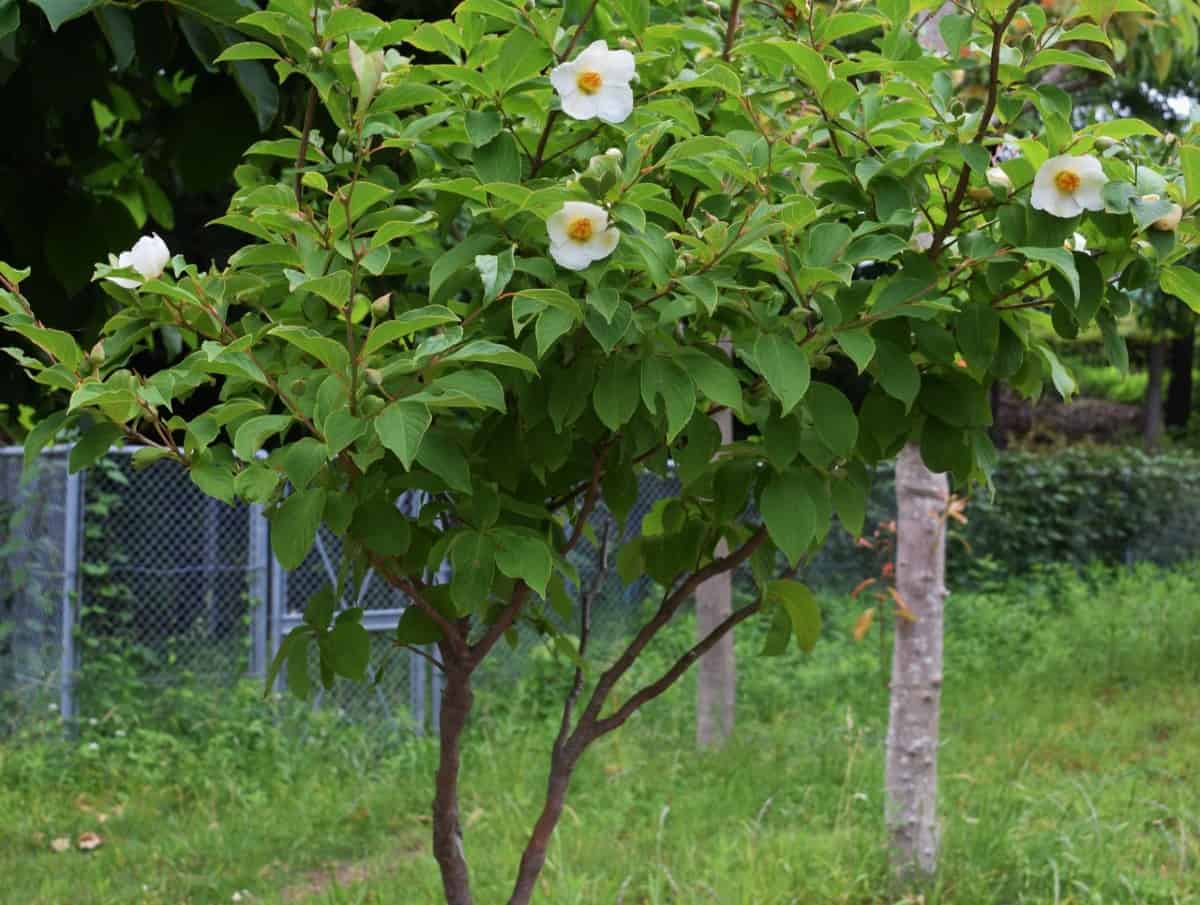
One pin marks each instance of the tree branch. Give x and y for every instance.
(667, 679)
(985, 120)
(585, 624)
(585, 730)
(731, 29)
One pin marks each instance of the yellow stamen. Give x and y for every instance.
(580, 230)
(1066, 181)
(589, 82)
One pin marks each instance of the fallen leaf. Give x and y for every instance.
(863, 625)
(60, 844)
(89, 842)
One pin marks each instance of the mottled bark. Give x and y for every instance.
(716, 680)
(1152, 403)
(910, 807)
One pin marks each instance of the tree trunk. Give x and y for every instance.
(716, 683)
(910, 806)
(1179, 392)
(447, 830)
(1152, 404)
(534, 857)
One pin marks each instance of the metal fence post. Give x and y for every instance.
(278, 597)
(259, 566)
(72, 554)
(416, 691)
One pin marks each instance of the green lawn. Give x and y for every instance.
(1070, 774)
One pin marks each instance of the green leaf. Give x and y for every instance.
(850, 501)
(318, 612)
(1183, 283)
(495, 271)
(482, 350)
(802, 608)
(522, 56)
(297, 664)
(716, 379)
(255, 431)
(294, 526)
(482, 126)
(664, 377)
(978, 334)
(833, 418)
(60, 11)
(349, 649)
(616, 394)
(1189, 161)
(329, 352)
(60, 345)
(380, 527)
(898, 375)
(784, 366)
(247, 50)
(401, 427)
(95, 442)
(1058, 258)
(443, 457)
(1045, 58)
(788, 512)
(858, 346)
(525, 557)
(499, 160)
(406, 324)
(473, 560)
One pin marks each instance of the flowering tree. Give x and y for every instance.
(506, 279)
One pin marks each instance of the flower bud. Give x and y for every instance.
(998, 179)
(1170, 220)
(821, 362)
(381, 306)
(979, 193)
(614, 153)
(315, 54)
(96, 356)
(343, 136)
(373, 377)
(1150, 199)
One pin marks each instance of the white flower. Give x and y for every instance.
(580, 234)
(149, 257)
(368, 70)
(998, 179)
(596, 84)
(923, 241)
(614, 153)
(1067, 186)
(1169, 220)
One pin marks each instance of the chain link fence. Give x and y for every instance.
(122, 577)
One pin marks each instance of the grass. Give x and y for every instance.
(1070, 773)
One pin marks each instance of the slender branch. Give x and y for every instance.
(667, 679)
(310, 110)
(414, 649)
(579, 29)
(1016, 290)
(585, 730)
(450, 633)
(589, 501)
(731, 29)
(985, 120)
(585, 625)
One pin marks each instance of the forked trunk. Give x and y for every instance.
(910, 805)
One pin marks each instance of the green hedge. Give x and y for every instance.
(1074, 507)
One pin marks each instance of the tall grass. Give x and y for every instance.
(1069, 774)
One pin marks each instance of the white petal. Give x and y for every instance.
(594, 212)
(556, 226)
(1086, 166)
(149, 256)
(124, 283)
(605, 243)
(1090, 193)
(1043, 192)
(614, 103)
(571, 255)
(563, 77)
(594, 56)
(578, 105)
(618, 66)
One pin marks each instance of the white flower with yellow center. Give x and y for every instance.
(1066, 186)
(595, 85)
(580, 234)
(149, 257)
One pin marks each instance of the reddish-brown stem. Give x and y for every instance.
(731, 29)
(672, 675)
(447, 829)
(310, 110)
(985, 120)
(671, 603)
